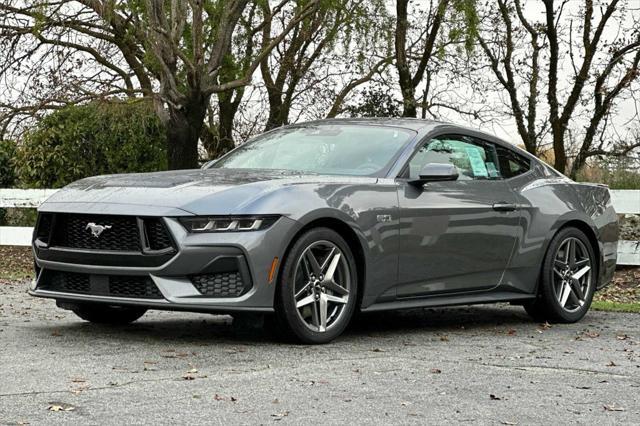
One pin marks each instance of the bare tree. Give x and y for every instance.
(583, 77)
(420, 46)
(171, 51)
(309, 55)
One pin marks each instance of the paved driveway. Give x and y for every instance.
(481, 364)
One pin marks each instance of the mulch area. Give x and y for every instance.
(17, 263)
(629, 227)
(625, 287)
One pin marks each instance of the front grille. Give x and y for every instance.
(157, 234)
(43, 227)
(120, 232)
(112, 233)
(219, 284)
(139, 287)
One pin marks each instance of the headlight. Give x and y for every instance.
(227, 223)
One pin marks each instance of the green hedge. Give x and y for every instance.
(7, 166)
(92, 139)
(7, 171)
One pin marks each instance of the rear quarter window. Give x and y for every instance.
(511, 163)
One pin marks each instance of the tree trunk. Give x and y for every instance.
(408, 100)
(278, 112)
(402, 63)
(560, 155)
(227, 113)
(183, 133)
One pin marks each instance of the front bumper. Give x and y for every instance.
(197, 254)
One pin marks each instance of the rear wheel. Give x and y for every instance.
(568, 279)
(318, 288)
(106, 314)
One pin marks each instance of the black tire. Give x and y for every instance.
(289, 318)
(548, 304)
(107, 314)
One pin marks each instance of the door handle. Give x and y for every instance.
(504, 207)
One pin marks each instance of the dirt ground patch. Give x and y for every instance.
(629, 227)
(15, 263)
(625, 287)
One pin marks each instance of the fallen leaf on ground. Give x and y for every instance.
(612, 407)
(175, 355)
(280, 415)
(60, 406)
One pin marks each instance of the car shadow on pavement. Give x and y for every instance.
(436, 320)
(210, 329)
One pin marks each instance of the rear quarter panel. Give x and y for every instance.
(547, 204)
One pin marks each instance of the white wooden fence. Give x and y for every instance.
(624, 201)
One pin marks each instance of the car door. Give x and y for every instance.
(456, 235)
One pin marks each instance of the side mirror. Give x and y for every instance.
(436, 172)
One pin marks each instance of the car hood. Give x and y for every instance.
(210, 191)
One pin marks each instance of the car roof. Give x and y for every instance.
(404, 122)
(416, 124)
(419, 125)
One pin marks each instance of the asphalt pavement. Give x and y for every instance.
(479, 365)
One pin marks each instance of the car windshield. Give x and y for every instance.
(325, 149)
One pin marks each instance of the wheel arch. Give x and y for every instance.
(587, 230)
(350, 236)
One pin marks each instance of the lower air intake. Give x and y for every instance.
(137, 287)
(220, 284)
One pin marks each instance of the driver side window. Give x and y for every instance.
(474, 159)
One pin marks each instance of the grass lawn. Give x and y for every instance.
(622, 294)
(600, 305)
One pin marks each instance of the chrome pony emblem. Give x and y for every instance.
(96, 230)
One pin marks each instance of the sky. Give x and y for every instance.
(625, 116)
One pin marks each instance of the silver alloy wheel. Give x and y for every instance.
(572, 277)
(322, 282)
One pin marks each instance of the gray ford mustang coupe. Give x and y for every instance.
(315, 221)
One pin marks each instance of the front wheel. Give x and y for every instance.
(106, 314)
(568, 279)
(318, 287)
